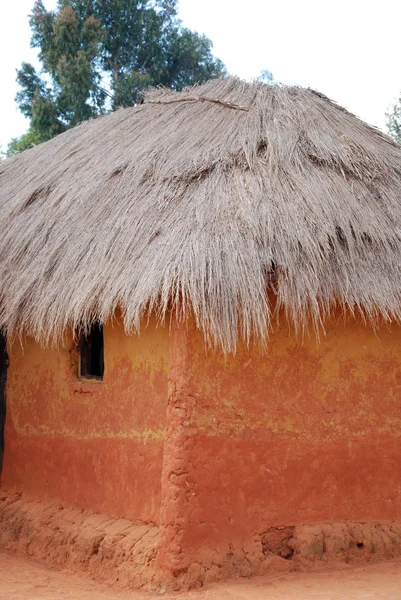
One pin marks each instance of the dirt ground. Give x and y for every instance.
(23, 579)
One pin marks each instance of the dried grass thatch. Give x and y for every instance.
(208, 198)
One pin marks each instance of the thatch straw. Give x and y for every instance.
(205, 199)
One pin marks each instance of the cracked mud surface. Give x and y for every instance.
(128, 554)
(24, 579)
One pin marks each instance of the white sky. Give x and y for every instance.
(348, 49)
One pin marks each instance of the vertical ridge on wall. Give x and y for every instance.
(177, 484)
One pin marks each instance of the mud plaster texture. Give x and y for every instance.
(213, 466)
(107, 548)
(127, 554)
(95, 445)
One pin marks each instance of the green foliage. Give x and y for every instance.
(30, 85)
(26, 141)
(393, 121)
(98, 55)
(69, 43)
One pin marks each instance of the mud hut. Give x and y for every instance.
(201, 297)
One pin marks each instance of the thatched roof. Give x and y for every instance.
(206, 199)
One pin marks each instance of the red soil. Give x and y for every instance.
(23, 579)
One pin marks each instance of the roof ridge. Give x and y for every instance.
(200, 99)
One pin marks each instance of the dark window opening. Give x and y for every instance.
(91, 353)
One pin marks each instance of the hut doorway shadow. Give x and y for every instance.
(3, 380)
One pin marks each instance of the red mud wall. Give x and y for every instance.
(305, 433)
(96, 445)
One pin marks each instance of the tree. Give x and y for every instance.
(28, 140)
(393, 121)
(266, 76)
(99, 55)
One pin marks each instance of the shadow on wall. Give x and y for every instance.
(3, 378)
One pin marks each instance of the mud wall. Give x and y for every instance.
(305, 433)
(95, 445)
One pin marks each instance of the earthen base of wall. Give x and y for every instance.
(109, 549)
(125, 553)
(302, 547)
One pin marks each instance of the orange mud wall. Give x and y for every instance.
(233, 458)
(306, 433)
(95, 445)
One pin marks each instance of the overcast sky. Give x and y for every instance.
(348, 49)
